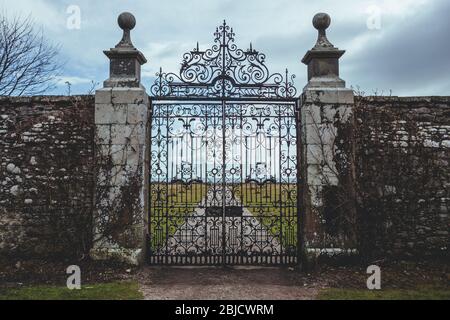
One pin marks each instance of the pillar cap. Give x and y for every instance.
(323, 48)
(125, 59)
(322, 54)
(323, 59)
(125, 48)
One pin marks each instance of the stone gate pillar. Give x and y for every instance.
(121, 118)
(327, 151)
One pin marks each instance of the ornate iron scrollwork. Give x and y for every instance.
(224, 71)
(223, 160)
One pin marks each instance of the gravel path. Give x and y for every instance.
(238, 283)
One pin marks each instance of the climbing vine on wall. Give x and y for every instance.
(331, 154)
(402, 176)
(46, 176)
(118, 201)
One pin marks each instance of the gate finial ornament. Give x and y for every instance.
(224, 70)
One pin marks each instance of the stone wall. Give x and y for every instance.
(403, 175)
(46, 175)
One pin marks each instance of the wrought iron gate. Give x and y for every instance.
(223, 173)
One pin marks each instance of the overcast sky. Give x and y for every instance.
(398, 45)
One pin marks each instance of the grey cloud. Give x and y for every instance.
(411, 58)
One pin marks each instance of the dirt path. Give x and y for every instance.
(172, 283)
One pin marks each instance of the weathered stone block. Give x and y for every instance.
(320, 134)
(330, 175)
(128, 256)
(103, 133)
(315, 192)
(133, 134)
(113, 176)
(311, 114)
(329, 96)
(320, 154)
(129, 96)
(135, 155)
(103, 96)
(314, 175)
(111, 114)
(336, 113)
(137, 113)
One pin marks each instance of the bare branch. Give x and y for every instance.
(28, 64)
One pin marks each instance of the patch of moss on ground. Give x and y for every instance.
(388, 294)
(128, 290)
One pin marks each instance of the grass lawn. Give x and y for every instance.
(388, 294)
(264, 202)
(106, 291)
(181, 202)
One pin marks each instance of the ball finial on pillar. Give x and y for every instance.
(323, 59)
(126, 22)
(125, 59)
(321, 22)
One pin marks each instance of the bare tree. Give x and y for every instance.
(28, 63)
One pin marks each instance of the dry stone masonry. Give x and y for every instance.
(46, 175)
(403, 173)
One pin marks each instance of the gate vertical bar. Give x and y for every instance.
(224, 159)
(169, 155)
(301, 250)
(149, 247)
(224, 185)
